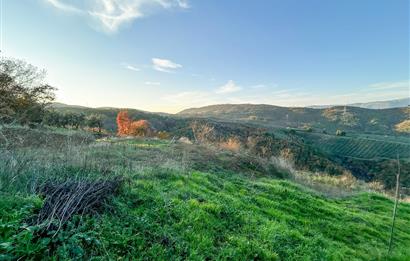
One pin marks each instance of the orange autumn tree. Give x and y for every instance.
(140, 128)
(123, 123)
(126, 127)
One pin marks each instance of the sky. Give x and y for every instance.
(169, 55)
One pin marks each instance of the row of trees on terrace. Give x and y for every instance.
(74, 120)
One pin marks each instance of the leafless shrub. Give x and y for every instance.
(232, 144)
(203, 132)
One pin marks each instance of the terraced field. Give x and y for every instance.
(360, 147)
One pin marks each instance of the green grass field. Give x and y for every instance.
(189, 202)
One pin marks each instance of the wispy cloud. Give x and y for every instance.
(131, 67)
(164, 65)
(281, 97)
(64, 7)
(191, 98)
(229, 87)
(390, 85)
(152, 83)
(171, 3)
(112, 14)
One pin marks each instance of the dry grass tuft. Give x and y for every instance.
(335, 186)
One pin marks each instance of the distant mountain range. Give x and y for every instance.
(397, 103)
(330, 119)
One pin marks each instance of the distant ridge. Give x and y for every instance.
(63, 105)
(389, 104)
(348, 118)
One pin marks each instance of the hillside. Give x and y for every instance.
(383, 121)
(195, 202)
(389, 104)
(314, 151)
(329, 119)
(368, 157)
(160, 121)
(398, 103)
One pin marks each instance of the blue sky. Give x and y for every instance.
(167, 55)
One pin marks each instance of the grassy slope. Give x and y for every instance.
(206, 216)
(169, 210)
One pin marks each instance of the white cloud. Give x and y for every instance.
(229, 87)
(169, 3)
(183, 4)
(112, 14)
(152, 83)
(63, 6)
(164, 65)
(390, 85)
(132, 68)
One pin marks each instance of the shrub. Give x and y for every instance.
(232, 144)
(95, 121)
(163, 135)
(308, 129)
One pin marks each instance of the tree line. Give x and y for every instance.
(73, 120)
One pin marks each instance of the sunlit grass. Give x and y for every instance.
(168, 210)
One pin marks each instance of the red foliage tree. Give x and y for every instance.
(123, 123)
(140, 128)
(126, 127)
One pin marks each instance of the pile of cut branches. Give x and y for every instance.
(63, 200)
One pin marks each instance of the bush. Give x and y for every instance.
(95, 121)
(232, 144)
(163, 135)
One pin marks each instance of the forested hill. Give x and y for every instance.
(384, 121)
